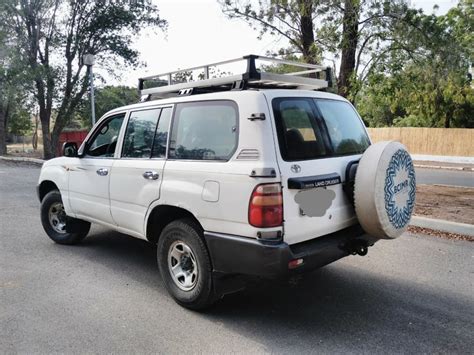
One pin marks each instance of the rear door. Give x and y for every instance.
(137, 175)
(317, 140)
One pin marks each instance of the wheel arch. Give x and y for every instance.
(161, 216)
(45, 187)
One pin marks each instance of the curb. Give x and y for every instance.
(444, 226)
(23, 159)
(443, 167)
(440, 159)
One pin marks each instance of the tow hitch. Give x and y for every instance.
(357, 246)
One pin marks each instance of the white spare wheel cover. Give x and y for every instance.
(385, 189)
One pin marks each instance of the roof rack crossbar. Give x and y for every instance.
(251, 78)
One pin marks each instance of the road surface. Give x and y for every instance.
(445, 177)
(411, 295)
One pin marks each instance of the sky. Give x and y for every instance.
(199, 33)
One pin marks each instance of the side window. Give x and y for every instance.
(104, 142)
(299, 135)
(204, 131)
(140, 132)
(161, 135)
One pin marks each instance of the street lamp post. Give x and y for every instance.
(89, 60)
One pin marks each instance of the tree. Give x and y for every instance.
(13, 96)
(430, 85)
(352, 30)
(106, 99)
(290, 19)
(20, 122)
(53, 35)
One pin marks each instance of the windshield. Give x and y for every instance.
(314, 128)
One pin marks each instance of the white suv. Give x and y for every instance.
(250, 182)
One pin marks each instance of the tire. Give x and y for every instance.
(59, 227)
(385, 190)
(181, 247)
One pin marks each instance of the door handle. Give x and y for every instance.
(102, 171)
(151, 175)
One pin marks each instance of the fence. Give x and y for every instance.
(432, 141)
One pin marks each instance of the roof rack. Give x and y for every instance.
(312, 77)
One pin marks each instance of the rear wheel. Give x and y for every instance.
(59, 227)
(185, 265)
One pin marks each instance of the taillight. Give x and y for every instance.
(266, 206)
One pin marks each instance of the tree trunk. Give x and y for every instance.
(448, 119)
(48, 152)
(3, 133)
(57, 129)
(307, 32)
(349, 46)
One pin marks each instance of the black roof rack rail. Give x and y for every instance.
(163, 85)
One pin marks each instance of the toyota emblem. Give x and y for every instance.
(296, 168)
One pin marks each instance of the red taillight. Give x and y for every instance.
(295, 263)
(266, 206)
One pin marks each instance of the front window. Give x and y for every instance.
(104, 141)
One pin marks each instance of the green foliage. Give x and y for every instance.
(353, 31)
(283, 68)
(19, 123)
(15, 105)
(429, 85)
(50, 39)
(106, 99)
(417, 97)
(288, 19)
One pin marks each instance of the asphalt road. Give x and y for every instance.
(444, 177)
(411, 295)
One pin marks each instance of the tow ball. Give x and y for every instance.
(358, 246)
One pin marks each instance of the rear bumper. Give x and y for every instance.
(239, 255)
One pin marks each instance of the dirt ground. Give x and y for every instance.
(455, 204)
(25, 150)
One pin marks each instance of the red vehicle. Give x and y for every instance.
(76, 136)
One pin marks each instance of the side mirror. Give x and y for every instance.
(70, 149)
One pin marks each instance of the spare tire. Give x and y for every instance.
(385, 189)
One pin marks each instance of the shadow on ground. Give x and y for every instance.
(333, 309)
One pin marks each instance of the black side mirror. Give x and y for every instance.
(70, 149)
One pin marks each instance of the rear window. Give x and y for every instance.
(315, 128)
(345, 129)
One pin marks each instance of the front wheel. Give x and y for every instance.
(185, 265)
(59, 227)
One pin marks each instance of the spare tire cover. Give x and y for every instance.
(385, 189)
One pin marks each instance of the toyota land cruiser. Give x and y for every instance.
(256, 174)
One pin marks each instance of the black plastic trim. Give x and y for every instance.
(308, 182)
(231, 254)
(349, 181)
